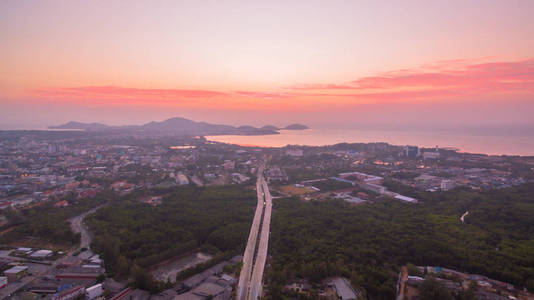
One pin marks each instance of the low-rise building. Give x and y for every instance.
(62, 203)
(374, 188)
(431, 155)
(294, 152)
(154, 201)
(42, 254)
(94, 291)
(447, 184)
(69, 294)
(16, 273)
(239, 178)
(181, 179)
(405, 198)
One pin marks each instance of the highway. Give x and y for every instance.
(250, 279)
(255, 289)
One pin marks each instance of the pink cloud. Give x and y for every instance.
(264, 95)
(486, 75)
(444, 79)
(320, 87)
(457, 79)
(113, 92)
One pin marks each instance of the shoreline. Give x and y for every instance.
(467, 144)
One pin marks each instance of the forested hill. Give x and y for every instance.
(369, 243)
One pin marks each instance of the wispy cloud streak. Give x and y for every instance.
(455, 79)
(437, 80)
(114, 92)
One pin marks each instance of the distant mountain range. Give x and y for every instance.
(183, 126)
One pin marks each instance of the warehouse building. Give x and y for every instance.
(40, 254)
(16, 273)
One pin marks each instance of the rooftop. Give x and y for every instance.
(16, 269)
(42, 253)
(207, 289)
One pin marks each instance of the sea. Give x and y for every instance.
(491, 142)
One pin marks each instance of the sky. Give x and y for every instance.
(324, 63)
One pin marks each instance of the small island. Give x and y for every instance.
(295, 127)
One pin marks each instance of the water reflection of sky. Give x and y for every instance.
(182, 147)
(466, 142)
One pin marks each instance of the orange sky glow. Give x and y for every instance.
(240, 62)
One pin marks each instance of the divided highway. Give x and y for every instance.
(251, 277)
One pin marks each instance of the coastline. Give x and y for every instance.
(517, 145)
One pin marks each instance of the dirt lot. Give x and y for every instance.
(40, 244)
(294, 190)
(168, 271)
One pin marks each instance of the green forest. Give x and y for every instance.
(131, 234)
(369, 243)
(48, 223)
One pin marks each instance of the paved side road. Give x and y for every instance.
(85, 240)
(462, 218)
(77, 226)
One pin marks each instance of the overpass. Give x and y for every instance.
(255, 256)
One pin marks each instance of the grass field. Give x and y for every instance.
(295, 191)
(37, 243)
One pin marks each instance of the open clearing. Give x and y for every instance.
(169, 271)
(295, 190)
